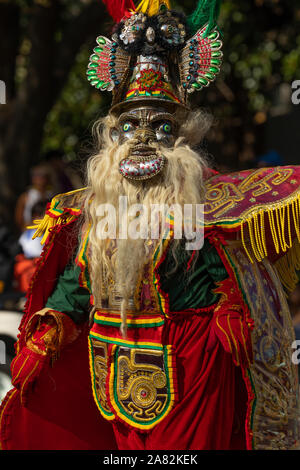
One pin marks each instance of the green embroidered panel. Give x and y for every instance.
(192, 287)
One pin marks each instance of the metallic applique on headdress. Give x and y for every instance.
(150, 56)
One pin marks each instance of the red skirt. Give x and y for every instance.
(210, 412)
(212, 399)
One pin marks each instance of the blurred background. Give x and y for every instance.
(45, 125)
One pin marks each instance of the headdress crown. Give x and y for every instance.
(156, 53)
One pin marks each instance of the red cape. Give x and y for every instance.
(61, 414)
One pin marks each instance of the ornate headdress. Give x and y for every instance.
(157, 54)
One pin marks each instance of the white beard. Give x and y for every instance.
(181, 182)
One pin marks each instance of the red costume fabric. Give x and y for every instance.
(220, 393)
(60, 412)
(209, 414)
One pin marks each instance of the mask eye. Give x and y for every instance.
(167, 128)
(127, 127)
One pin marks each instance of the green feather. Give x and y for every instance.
(207, 11)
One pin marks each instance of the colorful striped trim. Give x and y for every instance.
(158, 258)
(82, 262)
(104, 413)
(125, 342)
(131, 321)
(163, 93)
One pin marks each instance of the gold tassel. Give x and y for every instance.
(43, 226)
(283, 218)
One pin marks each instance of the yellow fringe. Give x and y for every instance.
(43, 226)
(151, 7)
(282, 218)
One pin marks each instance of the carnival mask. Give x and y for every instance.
(146, 128)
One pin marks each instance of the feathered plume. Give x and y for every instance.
(207, 11)
(151, 7)
(119, 8)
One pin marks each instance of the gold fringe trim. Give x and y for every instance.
(283, 218)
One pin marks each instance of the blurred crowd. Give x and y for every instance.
(18, 251)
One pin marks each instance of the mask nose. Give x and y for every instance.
(144, 135)
(150, 35)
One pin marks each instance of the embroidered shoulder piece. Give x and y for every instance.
(63, 209)
(263, 205)
(200, 60)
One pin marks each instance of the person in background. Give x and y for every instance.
(25, 263)
(271, 158)
(63, 176)
(40, 189)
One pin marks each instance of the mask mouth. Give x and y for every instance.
(142, 150)
(142, 167)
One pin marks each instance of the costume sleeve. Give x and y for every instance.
(69, 297)
(49, 330)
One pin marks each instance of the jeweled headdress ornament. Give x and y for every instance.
(156, 53)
